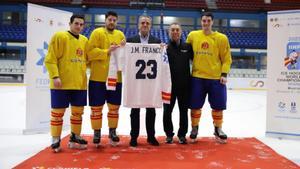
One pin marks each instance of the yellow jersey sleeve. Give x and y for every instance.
(225, 54)
(97, 52)
(55, 51)
(66, 59)
(96, 48)
(212, 55)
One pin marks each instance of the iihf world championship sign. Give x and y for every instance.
(283, 99)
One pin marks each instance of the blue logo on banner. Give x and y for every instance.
(42, 52)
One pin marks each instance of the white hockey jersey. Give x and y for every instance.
(146, 75)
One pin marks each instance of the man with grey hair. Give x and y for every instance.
(179, 54)
(143, 37)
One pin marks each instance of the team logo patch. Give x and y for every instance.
(79, 52)
(204, 45)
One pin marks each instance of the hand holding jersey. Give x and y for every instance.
(146, 72)
(103, 41)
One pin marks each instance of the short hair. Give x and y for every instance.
(145, 16)
(175, 23)
(76, 16)
(112, 13)
(209, 14)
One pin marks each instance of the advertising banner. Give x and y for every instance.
(283, 70)
(42, 23)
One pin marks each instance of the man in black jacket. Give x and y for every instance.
(180, 54)
(143, 37)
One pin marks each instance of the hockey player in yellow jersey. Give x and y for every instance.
(102, 42)
(66, 64)
(211, 64)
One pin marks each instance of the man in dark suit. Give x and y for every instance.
(143, 37)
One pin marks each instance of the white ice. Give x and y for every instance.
(244, 117)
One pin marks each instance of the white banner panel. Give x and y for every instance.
(283, 98)
(42, 23)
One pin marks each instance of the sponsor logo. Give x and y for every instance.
(79, 52)
(259, 83)
(281, 106)
(39, 20)
(293, 107)
(42, 53)
(51, 22)
(204, 45)
(275, 22)
(183, 51)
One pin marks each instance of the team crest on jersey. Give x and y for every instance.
(79, 52)
(204, 45)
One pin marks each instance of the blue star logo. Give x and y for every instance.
(42, 54)
(165, 57)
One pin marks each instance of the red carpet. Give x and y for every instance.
(238, 153)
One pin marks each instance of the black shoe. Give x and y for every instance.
(77, 142)
(194, 132)
(182, 140)
(113, 135)
(153, 141)
(97, 137)
(55, 144)
(220, 133)
(169, 140)
(77, 139)
(133, 142)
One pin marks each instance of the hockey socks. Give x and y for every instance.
(76, 119)
(96, 117)
(56, 121)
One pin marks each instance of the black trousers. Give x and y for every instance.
(135, 122)
(182, 99)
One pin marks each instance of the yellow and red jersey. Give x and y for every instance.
(97, 51)
(66, 59)
(211, 54)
